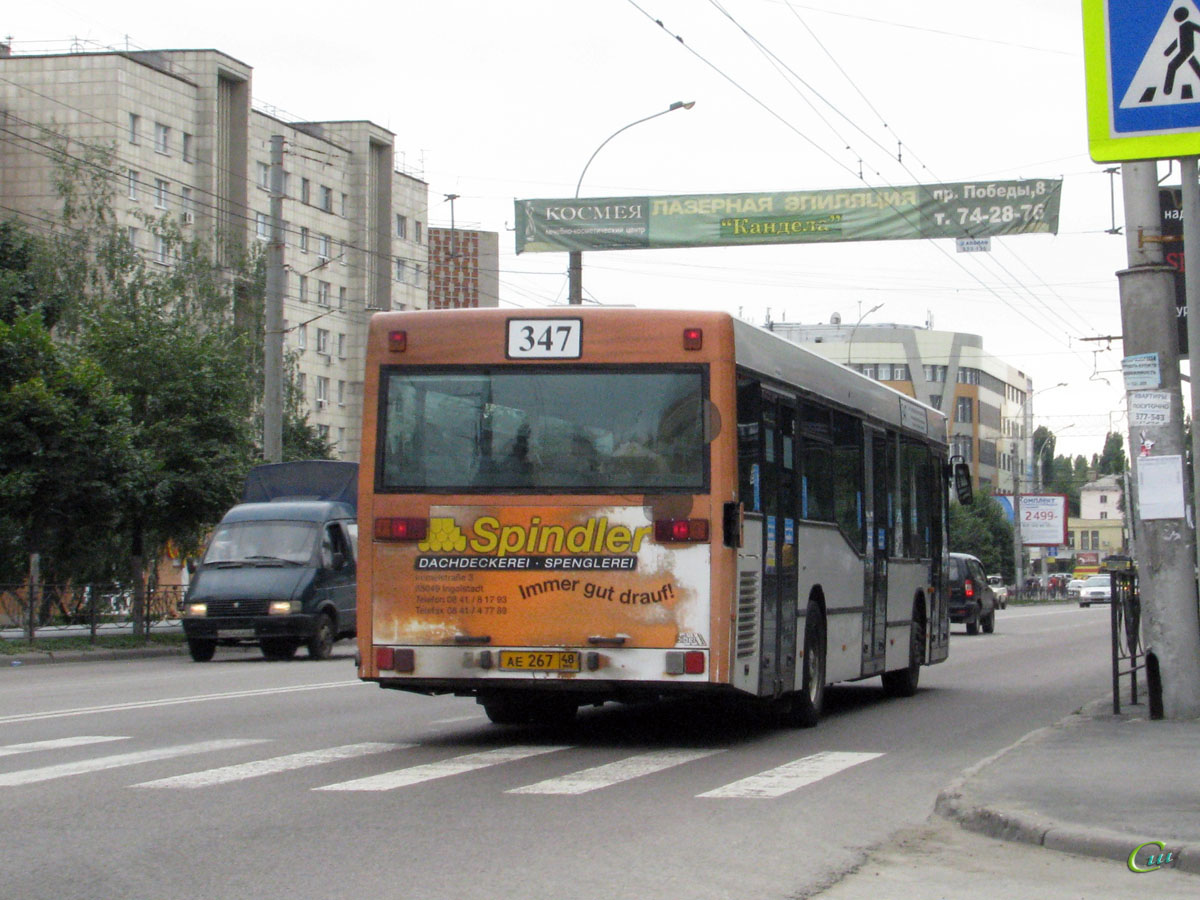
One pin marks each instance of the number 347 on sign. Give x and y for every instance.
(545, 338)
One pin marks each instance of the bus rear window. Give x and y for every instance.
(532, 430)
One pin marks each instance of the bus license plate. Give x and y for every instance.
(529, 661)
(545, 338)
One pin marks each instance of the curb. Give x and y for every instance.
(1024, 827)
(101, 655)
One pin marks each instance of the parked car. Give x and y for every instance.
(972, 599)
(999, 589)
(1074, 586)
(1096, 589)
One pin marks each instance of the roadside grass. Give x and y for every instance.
(15, 646)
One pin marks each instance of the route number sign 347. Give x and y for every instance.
(545, 338)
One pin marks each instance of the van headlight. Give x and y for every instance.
(283, 607)
(196, 609)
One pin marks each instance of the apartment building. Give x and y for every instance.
(188, 142)
(464, 268)
(985, 398)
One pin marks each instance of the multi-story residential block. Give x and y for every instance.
(187, 142)
(985, 398)
(464, 268)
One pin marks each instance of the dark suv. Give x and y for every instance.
(971, 598)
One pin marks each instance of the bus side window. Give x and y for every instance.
(816, 466)
(848, 476)
(749, 413)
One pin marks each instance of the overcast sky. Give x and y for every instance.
(501, 100)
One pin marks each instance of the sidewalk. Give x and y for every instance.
(1093, 784)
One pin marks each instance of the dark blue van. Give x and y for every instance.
(279, 570)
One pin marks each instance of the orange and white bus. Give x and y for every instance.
(561, 509)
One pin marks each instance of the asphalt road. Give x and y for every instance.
(168, 779)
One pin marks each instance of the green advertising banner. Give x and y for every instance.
(967, 210)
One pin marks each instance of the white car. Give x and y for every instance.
(1074, 586)
(1096, 589)
(999, 589)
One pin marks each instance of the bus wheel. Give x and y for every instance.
(201, 650)
(807, 704)
(903, 682)
(320, 645)
(279, 648)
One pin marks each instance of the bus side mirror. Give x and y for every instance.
(731, 522)
(962, 484)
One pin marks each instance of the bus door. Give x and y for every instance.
(780, 572)
(881, 468)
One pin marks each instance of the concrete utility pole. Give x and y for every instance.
(276, 286)
(1166, 546)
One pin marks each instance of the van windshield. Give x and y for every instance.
(265, 542)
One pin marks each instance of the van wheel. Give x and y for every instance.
(989, 622)
(320, 645)
(279, 648)
(201, 650)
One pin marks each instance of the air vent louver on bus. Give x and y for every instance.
(749, 586)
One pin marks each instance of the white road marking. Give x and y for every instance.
(457, 719)
(272, 766)
(614, 773)
(46, 773)
(792, 776)
(442, 769)
(172, 701)
(56, 744)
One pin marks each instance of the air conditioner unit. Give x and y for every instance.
(189, 218)
(321, 404)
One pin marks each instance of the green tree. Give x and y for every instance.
(1112, 460)
(983, 530)
(67, 459)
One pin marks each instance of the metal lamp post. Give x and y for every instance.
(575, 264)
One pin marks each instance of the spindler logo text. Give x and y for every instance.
(594, 544)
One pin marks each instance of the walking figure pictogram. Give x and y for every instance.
(1185, 44)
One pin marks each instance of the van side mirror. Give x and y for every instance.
(339, 561)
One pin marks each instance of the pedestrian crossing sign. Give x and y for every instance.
(1143, 78)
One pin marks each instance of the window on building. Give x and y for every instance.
(264, 175)
(870, 370)
(323, 430)
(400, 270)
(1103, 514)
(341, 441)
(417, 274)
(323, 341)
(1071, 540)
(342, 297)
(964, 410)
(188, 205)
(133, 184)
(935, 373)
(342, 252)
(323, 244)
(305, 190)
(160, 250)
(302, 289)
(935, 400)
(132, 234)
(162, 193)
(341, 393)
(1084, 543)
(1103, 498)
(401, 226)
(135, 128)
(326, 198)
(262, 227)
(302, 386)
(341, 345)
(301, 337)
(189, 150)
(162, 138)
(322, 391)
(1095, 540)
(343, 206)
(323, 293)
(303, 239)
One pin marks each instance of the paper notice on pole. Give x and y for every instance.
(1149, 408)
(1160, 487)
(1141, 371)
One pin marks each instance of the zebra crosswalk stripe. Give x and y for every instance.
(791, 776)
(57, 744)
(100, 763)
(226, 774)
(442, 769)
(615, 772)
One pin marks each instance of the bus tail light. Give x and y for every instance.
(685, 662)
(693, 338)
(396, 659)
(397, 341)
(681, 531)
(401, 529)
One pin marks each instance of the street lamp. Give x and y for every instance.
(575, 264)
(850, 345)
